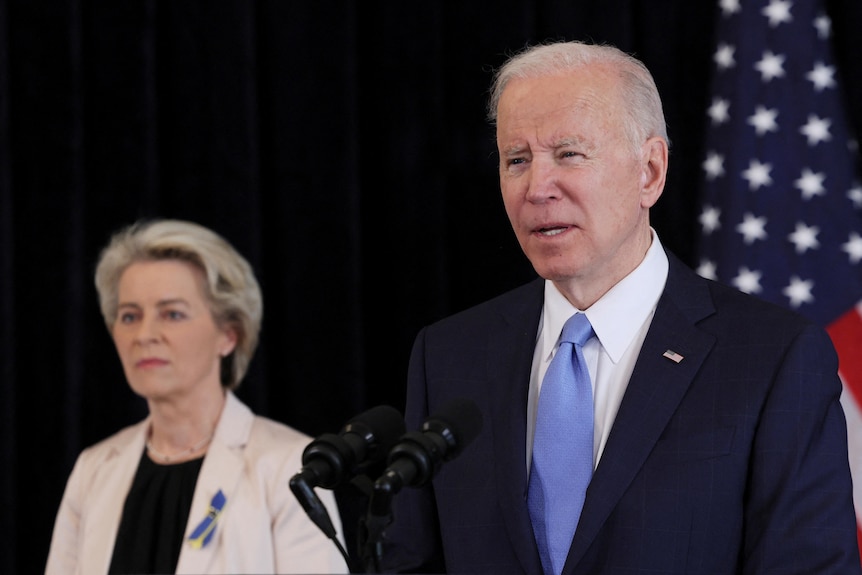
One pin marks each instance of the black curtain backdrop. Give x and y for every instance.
(341, 146)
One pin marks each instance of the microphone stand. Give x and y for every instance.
(315, 509)
(378, 518)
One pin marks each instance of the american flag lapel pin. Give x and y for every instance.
(673, 356)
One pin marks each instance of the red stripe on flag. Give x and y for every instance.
(846, 334)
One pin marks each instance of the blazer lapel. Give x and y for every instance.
(655, 390)
(509, 365)
(115, 479)
(222, 469)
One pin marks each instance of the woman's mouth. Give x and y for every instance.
(150, 362)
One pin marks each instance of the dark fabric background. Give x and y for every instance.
(340, 145)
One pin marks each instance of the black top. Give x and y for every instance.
(154, 517)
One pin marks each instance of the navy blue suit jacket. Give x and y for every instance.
(733, 460)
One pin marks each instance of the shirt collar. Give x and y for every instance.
(618, 315)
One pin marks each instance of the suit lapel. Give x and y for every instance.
(654, 392)
(116, 474)
(509, 365)
(222, 469)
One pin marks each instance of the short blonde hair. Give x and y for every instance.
(231, 288)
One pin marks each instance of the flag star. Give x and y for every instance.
(718, 111)
(757, 175)
(707, 269)
(713, 165)
(709, 219)
(821, 76)
(763, 120)
(853, 247)
(778, 12)
(770, 66)
(794, 176)
(816, 130)
(823, 25)
(799, 291)
(729, 7)
(855, 195)
(804, 238)
(810, 184)
(752, 228)
(723, 56)
(747, 280)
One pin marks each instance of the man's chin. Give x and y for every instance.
(555, 269)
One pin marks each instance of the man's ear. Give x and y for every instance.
(654, 170)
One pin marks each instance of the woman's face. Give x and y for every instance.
(167, 339)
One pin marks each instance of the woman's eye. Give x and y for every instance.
(127, 317)
(173, 314)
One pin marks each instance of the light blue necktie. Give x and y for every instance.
(562, 447)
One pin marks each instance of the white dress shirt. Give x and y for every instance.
(620, 320)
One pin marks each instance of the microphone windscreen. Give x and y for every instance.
(459, 417)
(384, 422)
(380, 428)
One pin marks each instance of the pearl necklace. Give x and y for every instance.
(181, 454)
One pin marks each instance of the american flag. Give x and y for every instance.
(781, 213)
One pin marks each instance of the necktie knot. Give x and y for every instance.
(577, 330)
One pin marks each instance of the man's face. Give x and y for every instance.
(573, 185)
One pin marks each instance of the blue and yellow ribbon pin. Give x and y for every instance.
(204, 532)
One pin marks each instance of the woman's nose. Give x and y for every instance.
(147, 330)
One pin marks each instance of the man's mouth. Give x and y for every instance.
(552, 231)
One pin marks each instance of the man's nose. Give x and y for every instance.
(543, 181)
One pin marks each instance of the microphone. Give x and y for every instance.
(413, 462)
(419, 455)
(331, 459)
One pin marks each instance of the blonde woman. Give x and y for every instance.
(201, 485)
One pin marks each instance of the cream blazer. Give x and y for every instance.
(262, 529)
